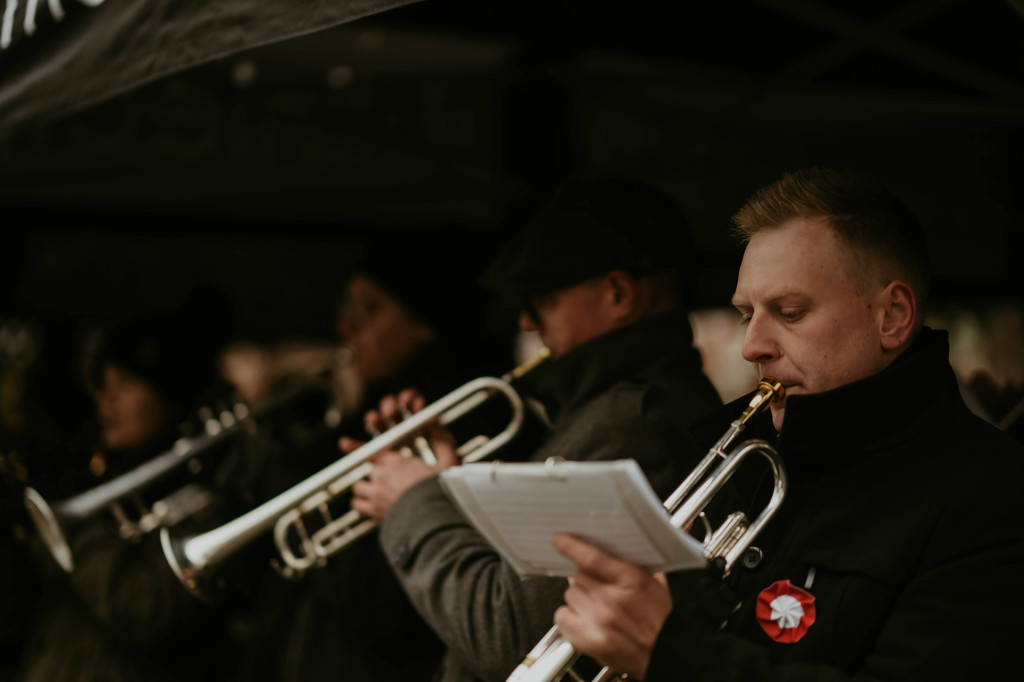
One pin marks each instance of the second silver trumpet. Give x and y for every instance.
(193, 558)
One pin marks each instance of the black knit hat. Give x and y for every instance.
(174, 351)
(589, 229)
(433, 271)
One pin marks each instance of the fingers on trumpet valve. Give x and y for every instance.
(347, 444)
(396, 407)
(392, 410)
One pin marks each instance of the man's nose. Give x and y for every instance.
(347, 325)
(527, 323)
(759, 343)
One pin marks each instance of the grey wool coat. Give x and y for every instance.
(627, 394)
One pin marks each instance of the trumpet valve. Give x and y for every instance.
(726, 537)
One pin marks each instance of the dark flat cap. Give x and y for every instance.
(589, 229)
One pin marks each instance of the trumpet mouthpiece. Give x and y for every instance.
(768, 389)
(530, 364)
(773, 385)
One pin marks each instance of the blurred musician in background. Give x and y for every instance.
(604, 274)
(898, 551)
(412, 312)
(121, 614)
(40, 418)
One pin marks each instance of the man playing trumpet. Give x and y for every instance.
(898, 551)
(603, 275)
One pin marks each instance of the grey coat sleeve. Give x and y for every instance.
(485, 613)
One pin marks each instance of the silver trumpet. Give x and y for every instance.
(55, 520)
(192, 558)
(553, 657)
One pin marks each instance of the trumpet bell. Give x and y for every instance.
(204, 586)
(49, 528)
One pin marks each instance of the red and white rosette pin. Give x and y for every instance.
(785, 612)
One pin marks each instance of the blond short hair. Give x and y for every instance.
(884, 237)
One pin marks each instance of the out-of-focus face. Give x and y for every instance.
(567, 318)
(131, 413)
(807, 323)
(381, 333)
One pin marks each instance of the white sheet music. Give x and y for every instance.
(518, 507)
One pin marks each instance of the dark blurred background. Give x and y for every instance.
(256, 181)
(263, 173)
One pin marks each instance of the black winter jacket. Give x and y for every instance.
(903, 519)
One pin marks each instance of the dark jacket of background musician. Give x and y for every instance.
(626, 394)
(906, 508)
(348, 619)
(121, 615)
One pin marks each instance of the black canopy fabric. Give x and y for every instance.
(58, 56)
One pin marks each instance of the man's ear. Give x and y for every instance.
(898, 307)
(624, 293)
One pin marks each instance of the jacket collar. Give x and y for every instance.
(824, 430)
(568, 381)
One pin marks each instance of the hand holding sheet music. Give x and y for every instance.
(519, 507)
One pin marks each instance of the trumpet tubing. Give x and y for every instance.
(192, 558)
(553, 656)
(54, 520)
